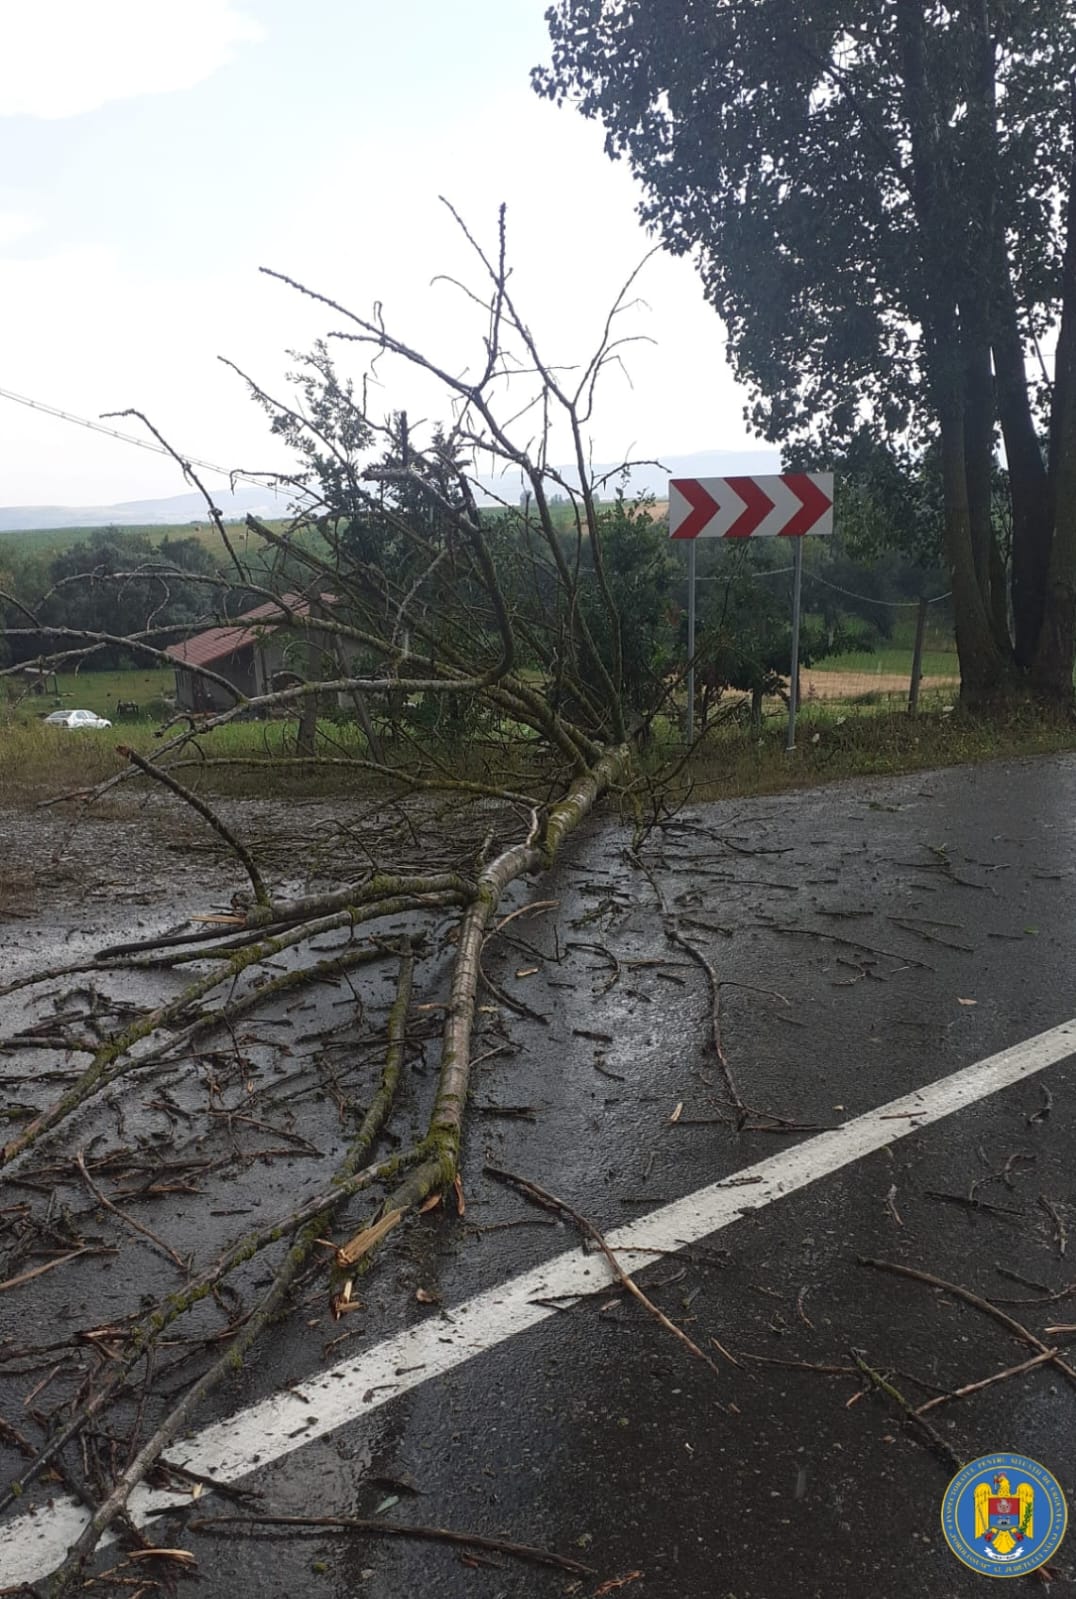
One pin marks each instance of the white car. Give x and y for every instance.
(76, 719)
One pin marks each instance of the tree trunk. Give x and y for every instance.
(976, 298)
(308, 725)
(1028, 482)
(442, 1142)
(983, 676)
(365, 721)
(1053, 665)
(946, 214)
(979, 470)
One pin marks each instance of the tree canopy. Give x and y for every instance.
(878, 197)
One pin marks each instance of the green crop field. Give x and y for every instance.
(54, 540)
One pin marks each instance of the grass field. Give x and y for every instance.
(54, 540)
(891, 660)
(100, 692)
(831, 745)
(41, 763)
(893, 656)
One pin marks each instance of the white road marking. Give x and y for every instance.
(34, 1543)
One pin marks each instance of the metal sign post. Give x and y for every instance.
(691, 643)
(794, 680)
(788, 506)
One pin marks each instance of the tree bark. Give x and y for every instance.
(953, 353)
(442, 1143)
(977, 298)
(1028, 481)
(979, 466)
(983, 675)
(1053, 665)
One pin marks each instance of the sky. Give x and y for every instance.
(154, 156)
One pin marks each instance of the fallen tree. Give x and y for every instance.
(480, 649)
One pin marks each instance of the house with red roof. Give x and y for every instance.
(257, 653)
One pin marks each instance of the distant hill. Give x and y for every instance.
(703, 463)
(182, 509)
(651, 478)
(178, 510)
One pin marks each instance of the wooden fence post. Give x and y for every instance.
(917, 656)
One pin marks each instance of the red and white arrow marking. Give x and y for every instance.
(787, 506)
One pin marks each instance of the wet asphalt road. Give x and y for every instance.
(873, 938)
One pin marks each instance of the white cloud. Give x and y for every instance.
(65, 57)
(573, 239)
(92, 336)
(99, 327)
(15, 225)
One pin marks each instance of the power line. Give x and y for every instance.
(871, 599)
(131, 438)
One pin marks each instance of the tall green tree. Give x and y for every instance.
(118, 582)
(881, 198)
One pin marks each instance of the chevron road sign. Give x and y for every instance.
(788, 506)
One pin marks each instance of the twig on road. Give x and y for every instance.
(238, 848)
(790, 931)
(988, 1382)
(1015, 1327)
(371, 1528)
(551, 1202)
(129, 1221)
(912, 1416)
(1061, 1237)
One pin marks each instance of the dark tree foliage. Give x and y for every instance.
(744, 639)
(641, 572)
(120, 583)
(879, 195)
(325, 426)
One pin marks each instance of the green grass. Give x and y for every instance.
(872, 736)
(832, 744)
(894, 654)
(50, 541)
(892, 659)
(54, 540)
(38, 762)
(95, 691)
